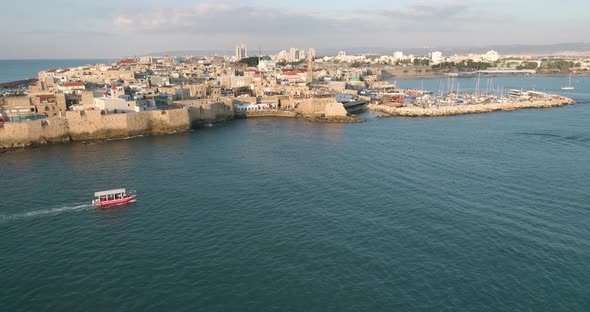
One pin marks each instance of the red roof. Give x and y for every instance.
(73, 84)
(64, 71)
(126, 62)
(293, 72)
(52, 70)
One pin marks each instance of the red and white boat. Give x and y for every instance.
(114, 197)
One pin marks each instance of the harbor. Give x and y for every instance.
(418, 155)
(159, 95)
(433, 109)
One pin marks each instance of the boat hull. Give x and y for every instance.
(122, 201)
(355, 106)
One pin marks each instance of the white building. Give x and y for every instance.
(491, 56)
(292, 54)
(282, 56)
(266, 65)
(241, 52)
(146, 60)
(436, 57)
(250, 107)
(398, 55)
(118, 105)
(311, 54)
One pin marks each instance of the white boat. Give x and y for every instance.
(113, 197)
(569, 86)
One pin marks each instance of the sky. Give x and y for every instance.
(111, 29)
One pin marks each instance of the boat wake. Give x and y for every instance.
(44, 212)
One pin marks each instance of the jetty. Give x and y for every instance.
(437, 110)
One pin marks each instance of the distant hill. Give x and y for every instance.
(546, 49)
(549, 49)
(192, 52)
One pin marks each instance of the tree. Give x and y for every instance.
(527, 65)
(251, 61)
(558, 65)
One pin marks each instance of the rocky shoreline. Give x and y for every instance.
(323, 119)
(451, 110)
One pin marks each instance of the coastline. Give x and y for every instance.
(18, 83)
(452, 110)
(28, 81)
(440, 75)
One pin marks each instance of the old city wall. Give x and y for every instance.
(327, 107)
(25, 133)
(92, 125)
(203, 112)
(155, 122)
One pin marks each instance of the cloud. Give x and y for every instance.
(428, 10)
(229, 19)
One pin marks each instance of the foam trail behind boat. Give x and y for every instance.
(44, 212)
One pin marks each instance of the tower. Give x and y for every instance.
(244, 50)
(238, 53)
(310, 64)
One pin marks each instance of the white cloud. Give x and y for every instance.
(229, 19)
(428, 10)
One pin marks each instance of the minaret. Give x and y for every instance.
(310, 68)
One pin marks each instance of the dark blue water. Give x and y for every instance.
(13, 70)
(469, 213)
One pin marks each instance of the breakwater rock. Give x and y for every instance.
(450, 110)
(333, 119)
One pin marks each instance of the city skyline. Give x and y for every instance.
(69, 29)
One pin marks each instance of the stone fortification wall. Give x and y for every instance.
(20, 134)
(202, 112)
(327, 107)
(91, 125)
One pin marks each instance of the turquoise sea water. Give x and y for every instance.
(469, 213)
(13, 70)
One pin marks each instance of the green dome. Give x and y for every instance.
(266, 58)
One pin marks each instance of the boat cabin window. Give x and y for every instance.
(103, 198)
(111, 196)
(118, 196)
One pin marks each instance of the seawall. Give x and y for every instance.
(92, 125)
(450, 110)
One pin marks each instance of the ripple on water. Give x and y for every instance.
(482, 213)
